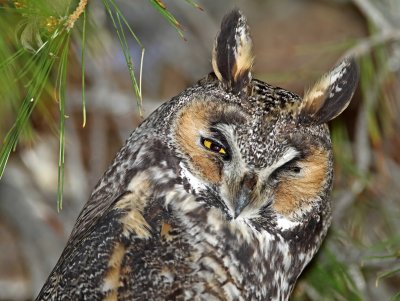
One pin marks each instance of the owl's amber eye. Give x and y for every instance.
(214, 147)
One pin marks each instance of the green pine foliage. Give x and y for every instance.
(34, 54)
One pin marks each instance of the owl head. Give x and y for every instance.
(261, 152)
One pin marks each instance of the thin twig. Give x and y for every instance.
(362, 148)
(366, 45)
(72, 18)
(387, 29)
(372, 13)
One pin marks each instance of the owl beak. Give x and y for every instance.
(241, 201)
(244, 194)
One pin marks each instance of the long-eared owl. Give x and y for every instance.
(221, 194)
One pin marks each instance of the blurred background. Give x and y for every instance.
(295, 42)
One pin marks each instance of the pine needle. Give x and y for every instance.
(62, 83)
(119, 23)
(162, 9)
(83, 69)
(43, 66)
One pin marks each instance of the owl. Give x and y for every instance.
(221, 194)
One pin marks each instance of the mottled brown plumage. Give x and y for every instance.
(221, 194)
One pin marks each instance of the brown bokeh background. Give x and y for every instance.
(295, 42)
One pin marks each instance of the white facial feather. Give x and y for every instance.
(196, 183)
(285, 224)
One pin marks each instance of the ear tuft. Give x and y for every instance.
(331, 95)
(232, 56)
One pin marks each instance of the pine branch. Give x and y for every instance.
(36, 39)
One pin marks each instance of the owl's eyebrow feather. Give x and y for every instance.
(229, 116)
(289, 154)
(219, 136)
